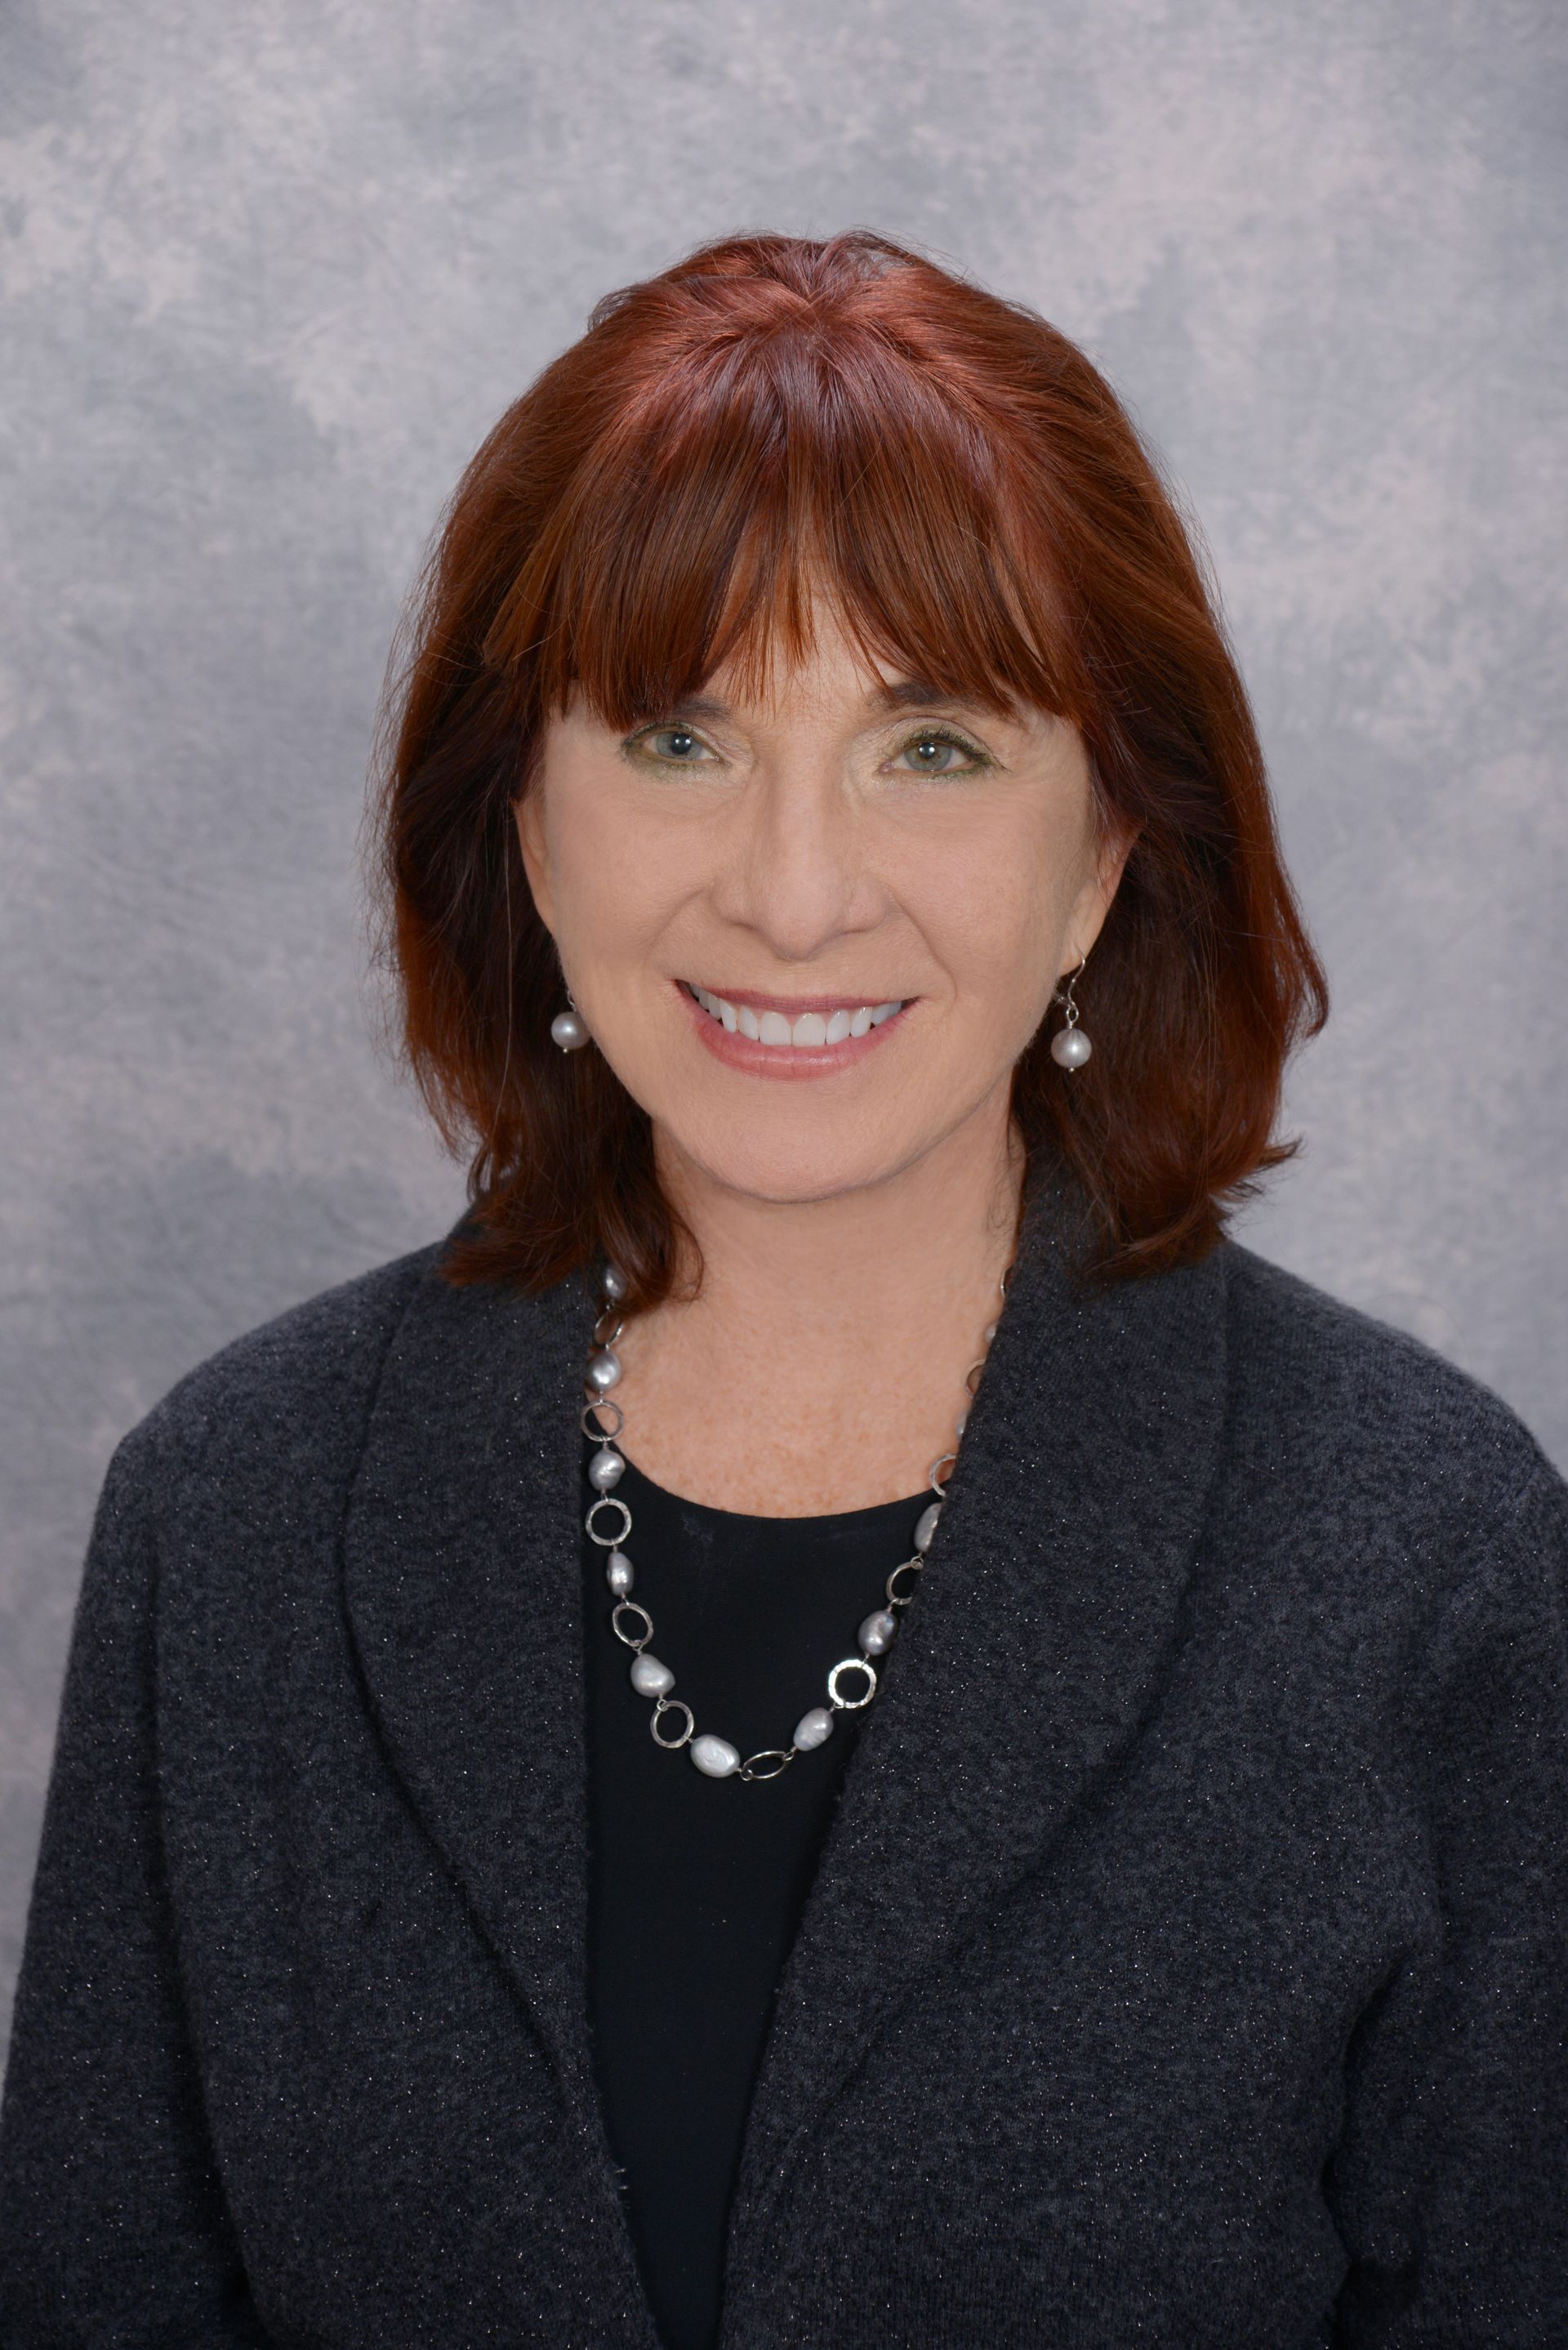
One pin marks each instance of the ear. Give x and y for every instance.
(528, 812)
(1094, 899)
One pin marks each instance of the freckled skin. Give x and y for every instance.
(852, 1226)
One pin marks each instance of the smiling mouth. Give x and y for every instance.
(765, 1022)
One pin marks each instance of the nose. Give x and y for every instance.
(795, 870)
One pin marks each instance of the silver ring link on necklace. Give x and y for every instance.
(715, 1756)
(902, 1598)
(608, 1542)
(661, 1706)
(852, 1665)
(629, 1608)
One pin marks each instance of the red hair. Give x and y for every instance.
(771, 415)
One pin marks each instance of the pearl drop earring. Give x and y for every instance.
(569, 1029)
(1070, 1049)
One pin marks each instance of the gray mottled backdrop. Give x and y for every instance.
(271, 272)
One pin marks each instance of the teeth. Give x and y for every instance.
(810, 1029)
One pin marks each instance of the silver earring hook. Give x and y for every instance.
(1067, 1002)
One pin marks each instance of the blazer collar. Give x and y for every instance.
(1033, 1651)
(462, 1590)
(1034, 1648)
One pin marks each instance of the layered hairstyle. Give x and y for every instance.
(773, 420)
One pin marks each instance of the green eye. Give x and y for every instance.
(934, 752)
(675, 744)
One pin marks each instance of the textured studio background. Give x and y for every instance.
(268, 276)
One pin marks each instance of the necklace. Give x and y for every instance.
(715, 1757)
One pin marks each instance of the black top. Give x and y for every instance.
(696, 1884)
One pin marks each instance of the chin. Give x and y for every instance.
(793, 1170)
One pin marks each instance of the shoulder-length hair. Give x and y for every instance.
(771, 415)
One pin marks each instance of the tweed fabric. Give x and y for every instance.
(1187, 1962)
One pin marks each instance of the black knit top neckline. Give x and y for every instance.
(697, 1885)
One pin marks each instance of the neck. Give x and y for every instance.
(821, 1362)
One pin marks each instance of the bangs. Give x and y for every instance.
(723, 512)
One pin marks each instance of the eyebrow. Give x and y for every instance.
(695, 706)
(899, 693)
(920, 693)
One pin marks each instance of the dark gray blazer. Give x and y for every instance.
(1188, 1963)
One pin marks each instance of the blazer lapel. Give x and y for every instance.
(1047, 1609)
(462, 1584)
(1048, 1606)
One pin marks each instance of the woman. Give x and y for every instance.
(710, 1875)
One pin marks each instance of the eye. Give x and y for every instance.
(936, 751)
(673, 744)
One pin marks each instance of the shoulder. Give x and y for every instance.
(1359, 1423)
(291, 1393)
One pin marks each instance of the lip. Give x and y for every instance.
(794, 1062)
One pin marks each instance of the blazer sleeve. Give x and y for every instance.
(113, 2226)
(1449, 2184)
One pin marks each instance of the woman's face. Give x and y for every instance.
(812, 933)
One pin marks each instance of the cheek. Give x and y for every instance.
(615, 882)
(992, 906)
